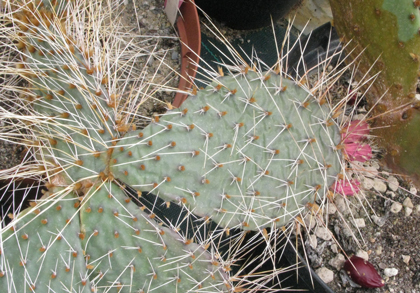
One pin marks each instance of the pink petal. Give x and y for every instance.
(355, 131)
(358, 152)
(346, 187)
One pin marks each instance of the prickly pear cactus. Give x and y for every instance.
(252, 150)
(85, 234)
(103, 242)
(387, 31)
(43, 250)
(247, 151)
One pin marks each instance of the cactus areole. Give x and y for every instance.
(387, 31)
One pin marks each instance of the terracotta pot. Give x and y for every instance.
(189, 31)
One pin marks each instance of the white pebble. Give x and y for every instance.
(325, 274)
(310, 221)
(337, 262)
(331, 209)
(379, 185)
(367, 183)
(312, 241)
(358, 116)
(408, 211)
(375, 164)
(359, 223)
(341, 205)
(408, 203)
(413, 190)
(406, 259)
(390, 272)
(378, 250)
(323, 233)
(390, 193)
(363, 254)
(347, 232)
(370, 171)
(393, 183)
(380, 221)
(396, 207)
(334, 248)
(417, 209)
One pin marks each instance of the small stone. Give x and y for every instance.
(337, 262)
(174, 55)
(379, 185)
(406, 259)
(323, 233)
(359, 116)
(363, 254)
(367, 183)
(334, 248)
(331, 209)
(396, 207)
(380, 221)
(413, 190)
(408, 211)
(347, 232)
(313, 241)
(390, 272)
(325, 274)
(310, 222)
(375, 164)
(378, 250)
(359, 223)
(407, 203)
(417, 210)
(390, 193)
(370, 171)
(341, 205)
(393, 183)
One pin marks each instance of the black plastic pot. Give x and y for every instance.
(246, 14)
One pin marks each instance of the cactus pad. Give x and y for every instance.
(103, 242)
(247, 151)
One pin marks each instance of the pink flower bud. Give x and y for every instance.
(358, 152)
(363, 273)
(346, 187)
(355, 131)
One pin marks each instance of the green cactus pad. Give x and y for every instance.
(104, 242)
(74, 108)
(128, 250)
(247, 151)
(43, 252)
